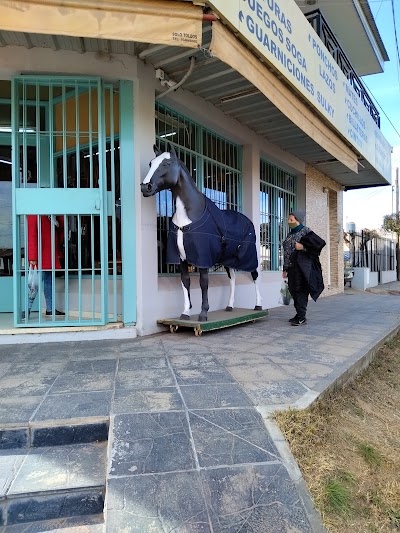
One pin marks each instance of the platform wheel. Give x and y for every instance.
(198, 331)
(173, 329)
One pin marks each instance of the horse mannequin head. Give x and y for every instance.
(168, 172)
(191, 207)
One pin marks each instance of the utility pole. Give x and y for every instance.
(397, 223)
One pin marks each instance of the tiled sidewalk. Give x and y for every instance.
(191, 447)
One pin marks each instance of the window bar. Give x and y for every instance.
(38, 134)
(24, 128)
(113, 221)
(79, 222)
(66, 268)
(90, 136)
(26, 262)
(77, 138)
(51, 134)
(53, 266)
(93, 265)
(64, 134)
(102, 187)
(39, 264)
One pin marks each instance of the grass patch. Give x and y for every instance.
(338, 496)
(348, 448)
(370, 455)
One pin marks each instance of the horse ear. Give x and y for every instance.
(172, 152)
(157, 151)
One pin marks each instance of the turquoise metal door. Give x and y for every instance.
(61, 218)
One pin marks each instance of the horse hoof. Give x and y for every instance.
(258, 308)
(184, 317)
(228, 308)
(202, 318)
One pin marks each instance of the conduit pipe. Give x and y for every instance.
(185, 77)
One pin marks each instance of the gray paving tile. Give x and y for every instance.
(80, 524)
(102, 366)
(144, 379)
(151, 443)
(141, 363)
(74, 406)
(18, 410)
(21, 385)
(214, 396)
(10, 463)
(274, 392)
(257, 373)
(238, 358)
(203, 360)
(156, 504)
(146, 400)
(141, 348)
(255, 499)
(31, 369)
(213, 374)
(185, 346)
(4, 367)
(68, 383)
(61, 468)
(228, 437)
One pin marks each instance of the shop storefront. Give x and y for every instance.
(80, 110)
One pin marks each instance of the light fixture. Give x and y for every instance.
(311, 2)
(325, 189)
(168, 135)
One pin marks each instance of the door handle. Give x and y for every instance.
(97, 204)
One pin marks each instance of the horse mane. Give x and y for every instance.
(184, 167)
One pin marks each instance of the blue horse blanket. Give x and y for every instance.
(219, 237)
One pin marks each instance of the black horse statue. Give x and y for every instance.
(201, 234)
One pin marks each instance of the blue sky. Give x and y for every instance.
(367, 207)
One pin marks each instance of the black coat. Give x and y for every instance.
(308, 264)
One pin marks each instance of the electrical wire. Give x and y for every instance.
(396, 40)
(381, 108)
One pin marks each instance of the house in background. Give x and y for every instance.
(262, 100)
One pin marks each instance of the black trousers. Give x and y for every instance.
(298, 288)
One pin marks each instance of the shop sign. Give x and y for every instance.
(279, 32)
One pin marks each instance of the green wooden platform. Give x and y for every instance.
(216, 320)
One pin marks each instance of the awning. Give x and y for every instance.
(150, 21)
(231, 51)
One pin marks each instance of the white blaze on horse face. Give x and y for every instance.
(154, 164)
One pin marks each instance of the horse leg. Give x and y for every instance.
(204, 294)
(232, 283)
(258, 306)
(185, 280)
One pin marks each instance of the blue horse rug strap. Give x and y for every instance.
(223, 237)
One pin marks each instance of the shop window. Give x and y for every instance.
(278, 191)
(213, 162)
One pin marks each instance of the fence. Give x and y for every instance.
(371, 251)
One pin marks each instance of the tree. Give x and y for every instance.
(392, 223)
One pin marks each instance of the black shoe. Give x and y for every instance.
(293, 319)
(57, 313)
(299, 322)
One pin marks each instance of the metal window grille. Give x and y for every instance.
(278, 191)
(214, 163)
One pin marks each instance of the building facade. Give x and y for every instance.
(266, 116)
